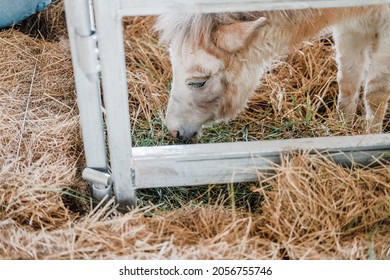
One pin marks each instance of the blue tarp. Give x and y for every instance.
(14, 11)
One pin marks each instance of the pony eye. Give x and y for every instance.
(196, 84)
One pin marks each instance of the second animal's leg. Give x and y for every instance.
(377, 85)
(352, 58)
(377, 90)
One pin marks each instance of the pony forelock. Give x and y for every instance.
(183, 27)
(194, 28)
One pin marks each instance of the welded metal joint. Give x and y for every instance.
(88, 51)
(101, 183)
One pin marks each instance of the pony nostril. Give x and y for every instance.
(181, 136)
(175, 134)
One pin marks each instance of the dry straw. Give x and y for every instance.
(310, 208)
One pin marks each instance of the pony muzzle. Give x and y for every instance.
(184, 135)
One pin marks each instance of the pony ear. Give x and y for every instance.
(235, 36)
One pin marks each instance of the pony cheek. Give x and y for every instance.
(231, 103)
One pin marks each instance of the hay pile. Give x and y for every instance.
(310, 209)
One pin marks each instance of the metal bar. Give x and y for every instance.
(156, 7)
(88, 94)
(200, 164)
(112, 57)
(97, 176)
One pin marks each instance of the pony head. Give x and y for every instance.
(214, 68)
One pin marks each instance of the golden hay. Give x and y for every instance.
(311, 209)
(337, 213)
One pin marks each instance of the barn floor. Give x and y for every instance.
(310, 209)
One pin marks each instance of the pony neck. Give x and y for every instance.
(287, 29)
(294, 26)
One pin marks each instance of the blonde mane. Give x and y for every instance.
(195, 27)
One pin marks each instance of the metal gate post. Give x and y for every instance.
(113, 68)
(86, 71)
